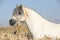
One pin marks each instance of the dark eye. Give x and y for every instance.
(19, 13)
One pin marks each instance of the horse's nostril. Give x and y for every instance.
(12, 22)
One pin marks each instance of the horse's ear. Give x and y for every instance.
(20, 6)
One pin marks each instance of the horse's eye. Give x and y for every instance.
(19, 13)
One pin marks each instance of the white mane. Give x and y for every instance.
(39, 26)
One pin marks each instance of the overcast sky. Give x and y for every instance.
(49, 9)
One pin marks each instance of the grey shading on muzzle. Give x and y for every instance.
(12, 22)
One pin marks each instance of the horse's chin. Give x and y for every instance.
(12, 24)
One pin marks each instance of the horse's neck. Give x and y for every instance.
(35, 20)
(38, 24)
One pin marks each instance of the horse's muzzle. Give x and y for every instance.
(12, 22)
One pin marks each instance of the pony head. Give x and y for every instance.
(19, 15)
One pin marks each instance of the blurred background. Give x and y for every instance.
(49, 9)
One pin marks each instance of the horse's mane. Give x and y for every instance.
(41, 15)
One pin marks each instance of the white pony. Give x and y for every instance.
(38, 25)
